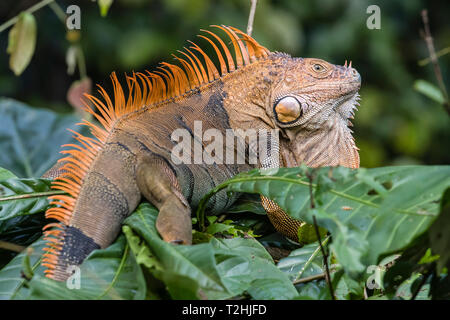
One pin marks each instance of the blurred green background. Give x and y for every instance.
(394, 125)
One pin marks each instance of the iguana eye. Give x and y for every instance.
(287, 109)
(318, 67)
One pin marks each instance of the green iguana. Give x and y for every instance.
(309, 101)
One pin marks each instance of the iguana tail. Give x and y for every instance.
(99, 176)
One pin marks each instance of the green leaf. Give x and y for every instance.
(219, 269)
(111, 273)
(247, 203)
(244, 265)
(369, 212)
(104, 6)
(428, 89)
(22, 42)
(12, 284)
(439, 233)
(20, 197)
(6, 174)
(304, 262)
(140, 249)
(407, 288)
(31, 139)
(197, 264)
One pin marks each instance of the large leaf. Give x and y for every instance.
(304, 262)
(244, 265)
(21, 201)
(111, 273)
(6, 174)
(12, 283)
(369, 212)
(219, 269)
(247, 203)
(30, 139)
(439, 233)
(20, 197)
(198, 264)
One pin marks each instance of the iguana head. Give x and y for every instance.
(312, 104)
(310, 101)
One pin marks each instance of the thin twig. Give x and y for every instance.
(437, 70)
(32, 195)
(81, 62)
(251, 17)
(11, 246)
(322, 275)
(325, 260)
(316, 228)
(58, 11)
(310, 278)
(309, 175)
(32, 9)
(440, 53)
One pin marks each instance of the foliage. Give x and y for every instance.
(370, 213)
(387, 226)
(395, 124)
(31, 139)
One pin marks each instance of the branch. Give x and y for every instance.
(322, 275)
(325, 260)
(319, 276)
(11, 246)
(251, 17)
(32, 195)
(437, 70)
(32, 9)
(316, 228)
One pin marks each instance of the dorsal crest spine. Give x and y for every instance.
(144, 90)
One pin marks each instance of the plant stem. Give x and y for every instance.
(32, 195)
(11, 246)
(439, 54)
(58, 11)
(310, 278)
(319, 276)
(251, 17)
(437, 70)
(81, 62)
(32, 9)
(310, 176)
(325, 260)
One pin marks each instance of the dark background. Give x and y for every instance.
(394, 125)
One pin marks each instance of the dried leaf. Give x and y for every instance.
(76, 93)
(22, 42)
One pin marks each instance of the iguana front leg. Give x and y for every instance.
(158, 183)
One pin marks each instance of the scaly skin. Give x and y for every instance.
(308, 100)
